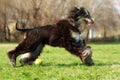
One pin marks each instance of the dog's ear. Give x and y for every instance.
(73, 12)
(75, 9)
(82, 11)
(82, 8)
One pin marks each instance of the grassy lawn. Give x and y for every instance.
(58, 64)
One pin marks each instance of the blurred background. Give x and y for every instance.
(106, 14)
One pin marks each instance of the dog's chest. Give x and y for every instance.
(76, 35)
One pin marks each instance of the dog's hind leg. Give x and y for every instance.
(29, 57)
(22, 48)
(12, 55)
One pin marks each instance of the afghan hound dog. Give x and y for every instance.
(65, 33)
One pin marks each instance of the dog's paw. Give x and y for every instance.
(86, 56)
(12, 59)
(25, 61)
(13, 64)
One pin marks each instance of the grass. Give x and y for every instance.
(58, 64)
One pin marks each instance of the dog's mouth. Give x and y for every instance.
(89, 21)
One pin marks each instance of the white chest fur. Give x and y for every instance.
(76, 35)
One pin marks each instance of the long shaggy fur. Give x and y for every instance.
(65, 33)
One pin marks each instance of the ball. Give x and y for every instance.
(38, 61)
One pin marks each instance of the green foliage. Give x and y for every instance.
(58, 64)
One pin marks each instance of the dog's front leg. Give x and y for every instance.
(86, 56)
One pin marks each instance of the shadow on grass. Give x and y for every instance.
(50, 64)
(71, 64)
(79, 64)
(106, 64)
(62, 65)
(56, 65)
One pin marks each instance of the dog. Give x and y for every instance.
(65, 33)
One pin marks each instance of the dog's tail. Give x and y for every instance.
(22, 30)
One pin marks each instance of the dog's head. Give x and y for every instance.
(81, 15)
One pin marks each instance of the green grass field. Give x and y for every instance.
(58, 64)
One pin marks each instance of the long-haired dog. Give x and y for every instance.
(65, 33)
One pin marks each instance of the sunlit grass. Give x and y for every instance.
(58, 64)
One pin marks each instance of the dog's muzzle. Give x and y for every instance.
(89, 21)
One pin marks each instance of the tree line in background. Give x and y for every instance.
(41, 12)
